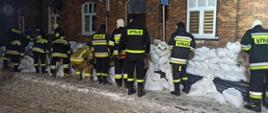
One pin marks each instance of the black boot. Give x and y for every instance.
(53, 72)
(5, 64)
(99, 79)
(265, 103)
(43, 70)
(176, 91)
(118, 82)
(254, 105)
(131, 89)
(16, 68)
(104, 80)
(37, 69)
(141, 90)
(186, 87)
(125, 83)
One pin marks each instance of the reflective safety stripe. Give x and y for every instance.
(134, 32)
(60, 41)
(36, 64)
(77, 72)
(43, 65)
(111, 43)
(130, 79)
(99, 42)
(118, 76)
(99, 36)
(115, 52)
(98, 74)
(15, 64)
(246, 47)
(101, 55)
(255, 95)
(180, 68)
(125, 76)
(267, 95)
(10, 52)
(61, 55)
(53, 67)
(176, 80)
(16, 42)
(39, 50)
(178, 61)
(259, 66)
(16, 31)
(139, 80)
(87, 74)
(104, 74)
(184, 78)
(65, 66)
(135, 51)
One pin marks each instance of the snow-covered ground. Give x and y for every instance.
(33, 93)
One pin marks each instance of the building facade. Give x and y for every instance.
(213, 22)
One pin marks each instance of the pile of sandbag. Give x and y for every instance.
(27, 64)
(159, 74)
(218, 63)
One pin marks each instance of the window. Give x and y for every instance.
(88, 10)
(201, 18)
(53, 18)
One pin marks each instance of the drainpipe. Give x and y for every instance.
(126, 10)
(107, 5)
(237, 19)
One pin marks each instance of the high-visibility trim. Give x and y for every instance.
(267, 95)
(183, 37)
(255, 95)
(111, 43)
(117, 38)
(102, 55)
(178, 61)
(77, 72)
(99, 42)
(98, 74)
(41, 41)
(53, 67)
(134, 32)
(76, 60)
(87, 74)
(61, 55)
(65, 66)
(130, 79)
(16, 31)
(115, 52)
(43, 65)
(180, 68)
(118, 76)
(15, 64)
(11, 52)
(259, 66)
(16, 42)
(104, 74)
(260, 38)
(125, 76)
(60, 41)
(39, 50)
(176, 80)
(246, 47)
(139, 80)
(135, 51)
(184, 78)
(36, 64)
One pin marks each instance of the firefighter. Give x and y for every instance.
(255, 43)
(136, 42)
(81, 61)
(60, 55)
(14, 49)
(101, 54)
(118, 57)
(182, 42)
(40, 49)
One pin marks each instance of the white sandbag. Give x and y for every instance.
(221, 52)
(203, 87)
(60, 71)
(27, 64)
(217, 96)
(233, 96)
(111, 78)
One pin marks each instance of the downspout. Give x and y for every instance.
(126, 10)
(237, 19)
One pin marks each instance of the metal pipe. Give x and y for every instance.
(164, 22)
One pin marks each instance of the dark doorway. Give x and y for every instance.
(136, 8)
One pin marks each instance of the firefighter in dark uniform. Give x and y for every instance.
(101, 54)
(61, 52)
(14, 49)
(182, 42)
(118, 57)
(40, 49)
(136, 42)
(255, 43)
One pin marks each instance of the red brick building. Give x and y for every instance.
(213, 22)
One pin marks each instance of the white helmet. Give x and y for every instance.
(120, 23)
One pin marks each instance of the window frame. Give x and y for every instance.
(91, 15)
(52, 14)
(201, 34)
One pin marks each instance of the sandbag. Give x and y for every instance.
(27, 64)
(233, 96)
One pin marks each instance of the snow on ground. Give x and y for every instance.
(33, 93)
